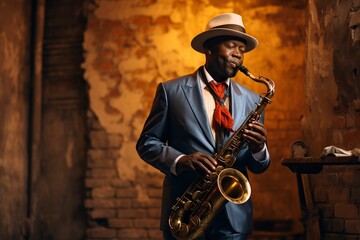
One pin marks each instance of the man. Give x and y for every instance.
(190, 120)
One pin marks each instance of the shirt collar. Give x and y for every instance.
(210, 78)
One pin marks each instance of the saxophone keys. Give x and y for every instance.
(194, 221)
(183, 230)
(196, 195)
(213, 176)
(187, 205)
(206, 208)
(228, 158)
(218, 170)
(206, 185)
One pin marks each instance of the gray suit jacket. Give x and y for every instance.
(178, 124)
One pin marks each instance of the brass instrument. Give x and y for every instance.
(194, 210)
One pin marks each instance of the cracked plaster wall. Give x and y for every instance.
(131, 46)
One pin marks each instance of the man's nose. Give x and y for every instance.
(237, 53)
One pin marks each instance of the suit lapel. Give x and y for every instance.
(192, 91)
(237, 105)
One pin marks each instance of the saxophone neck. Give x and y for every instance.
(264, 80)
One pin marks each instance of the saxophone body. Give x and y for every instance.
(200, 203)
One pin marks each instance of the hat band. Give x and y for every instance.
(232, 27)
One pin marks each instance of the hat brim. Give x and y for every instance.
(198, 41)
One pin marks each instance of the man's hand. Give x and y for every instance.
(199, 162)
(256, 135)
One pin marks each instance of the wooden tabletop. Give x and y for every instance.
(315, 164)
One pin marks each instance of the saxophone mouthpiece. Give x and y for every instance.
(243, 69)
(246, 71)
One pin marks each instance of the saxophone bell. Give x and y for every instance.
(234, 186)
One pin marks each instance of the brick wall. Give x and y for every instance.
(131, 46)
(113, 211)
(336, 192)
(332, 115)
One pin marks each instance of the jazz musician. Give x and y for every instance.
(193, 116)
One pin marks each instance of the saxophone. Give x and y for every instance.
(194, 210)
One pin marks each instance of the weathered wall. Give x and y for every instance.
(14, 82)
(333, 111)
(131, 46)
(42, 120)
(332, 75)
(58, 163)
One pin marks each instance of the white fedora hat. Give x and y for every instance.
(226, 24)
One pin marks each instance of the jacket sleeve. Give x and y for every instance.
(152, 144)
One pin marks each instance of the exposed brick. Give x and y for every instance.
(146, 223)
(113, 153)
(320, 195)
(132, 213)
(97, 153)
(100, 203)
(102, 213)
(352, 226)
(98, 182)
(334, 236)
(126, 193)
(92, 23)
(110, 24)
(326, 179)
(101, 232)
(115, 140)
(339, 194)
(141, 20)
(150, 203)
(99, 139)
(165, 20)
(333, 225)
(124, 203)
(327, 211)
(155, 234)
(119, 32)
(348, 211)
(103, 173)
(355, 195)
(101, 162)
(155, 192)
(104, 192)
(121, 223)
(154, 181)
(120, 183)
(133, 233)
(351, 178)
(154, 212)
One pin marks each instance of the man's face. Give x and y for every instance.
(225, 55)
